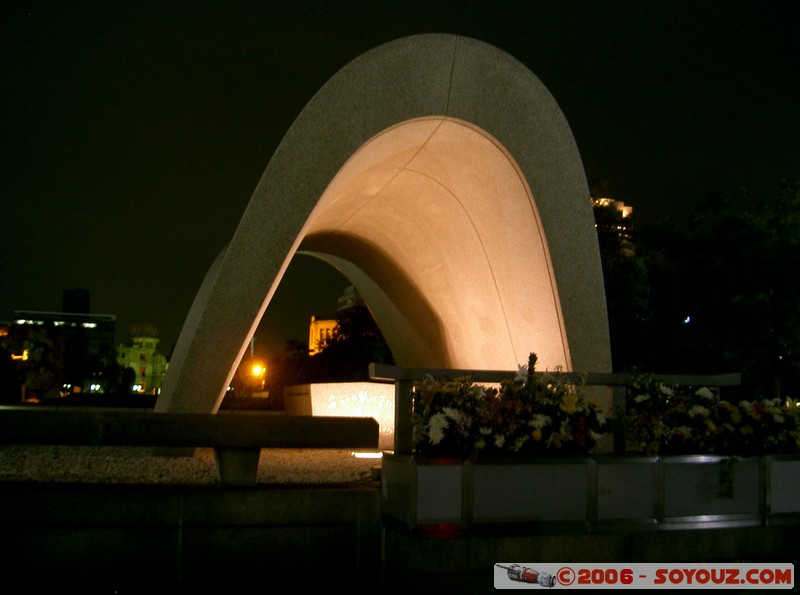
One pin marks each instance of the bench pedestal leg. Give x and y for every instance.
(237, 466)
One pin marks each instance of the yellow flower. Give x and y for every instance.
(569, 403)
(733, 410)
(537, 434)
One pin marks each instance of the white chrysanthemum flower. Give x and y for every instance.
(539, 421)
(436, 426)
(479, 391)
(697, 410)
(666, 390)
(484, 430)
(705, 392)
(640, 398)
(686, 431)
(522, 374)
(746, 405)
(453, 414)
(499, 440)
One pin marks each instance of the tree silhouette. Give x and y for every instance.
(719, 296)
(356, 342)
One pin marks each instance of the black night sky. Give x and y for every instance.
(134, 133)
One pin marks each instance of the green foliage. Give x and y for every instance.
(628, 299)
(43, 372)
(356, 343)
(10, 384)
(719, 295)
(747, 252)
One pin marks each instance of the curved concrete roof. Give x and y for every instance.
(439, 175)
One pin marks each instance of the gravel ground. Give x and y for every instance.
(124, 465)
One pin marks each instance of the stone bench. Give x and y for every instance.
(237, 439)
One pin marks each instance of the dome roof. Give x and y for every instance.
(143, 329)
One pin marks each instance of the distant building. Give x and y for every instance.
(614, 219)
(322, 329)
(99, 329)
(613, 216)
(86, 343)
(85, 337)
(143, 357)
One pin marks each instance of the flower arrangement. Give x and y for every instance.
(663, 419)
(544, 414)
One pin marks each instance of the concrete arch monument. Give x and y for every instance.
(439, 175)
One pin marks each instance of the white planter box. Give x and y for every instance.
(782, 488)
(690, 492)
(626, 491)
(604, 492)
(420, 493)
(535, 490)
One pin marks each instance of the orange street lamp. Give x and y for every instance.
(259, 371)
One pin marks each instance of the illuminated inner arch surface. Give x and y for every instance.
(435, 224)
(439, 175)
